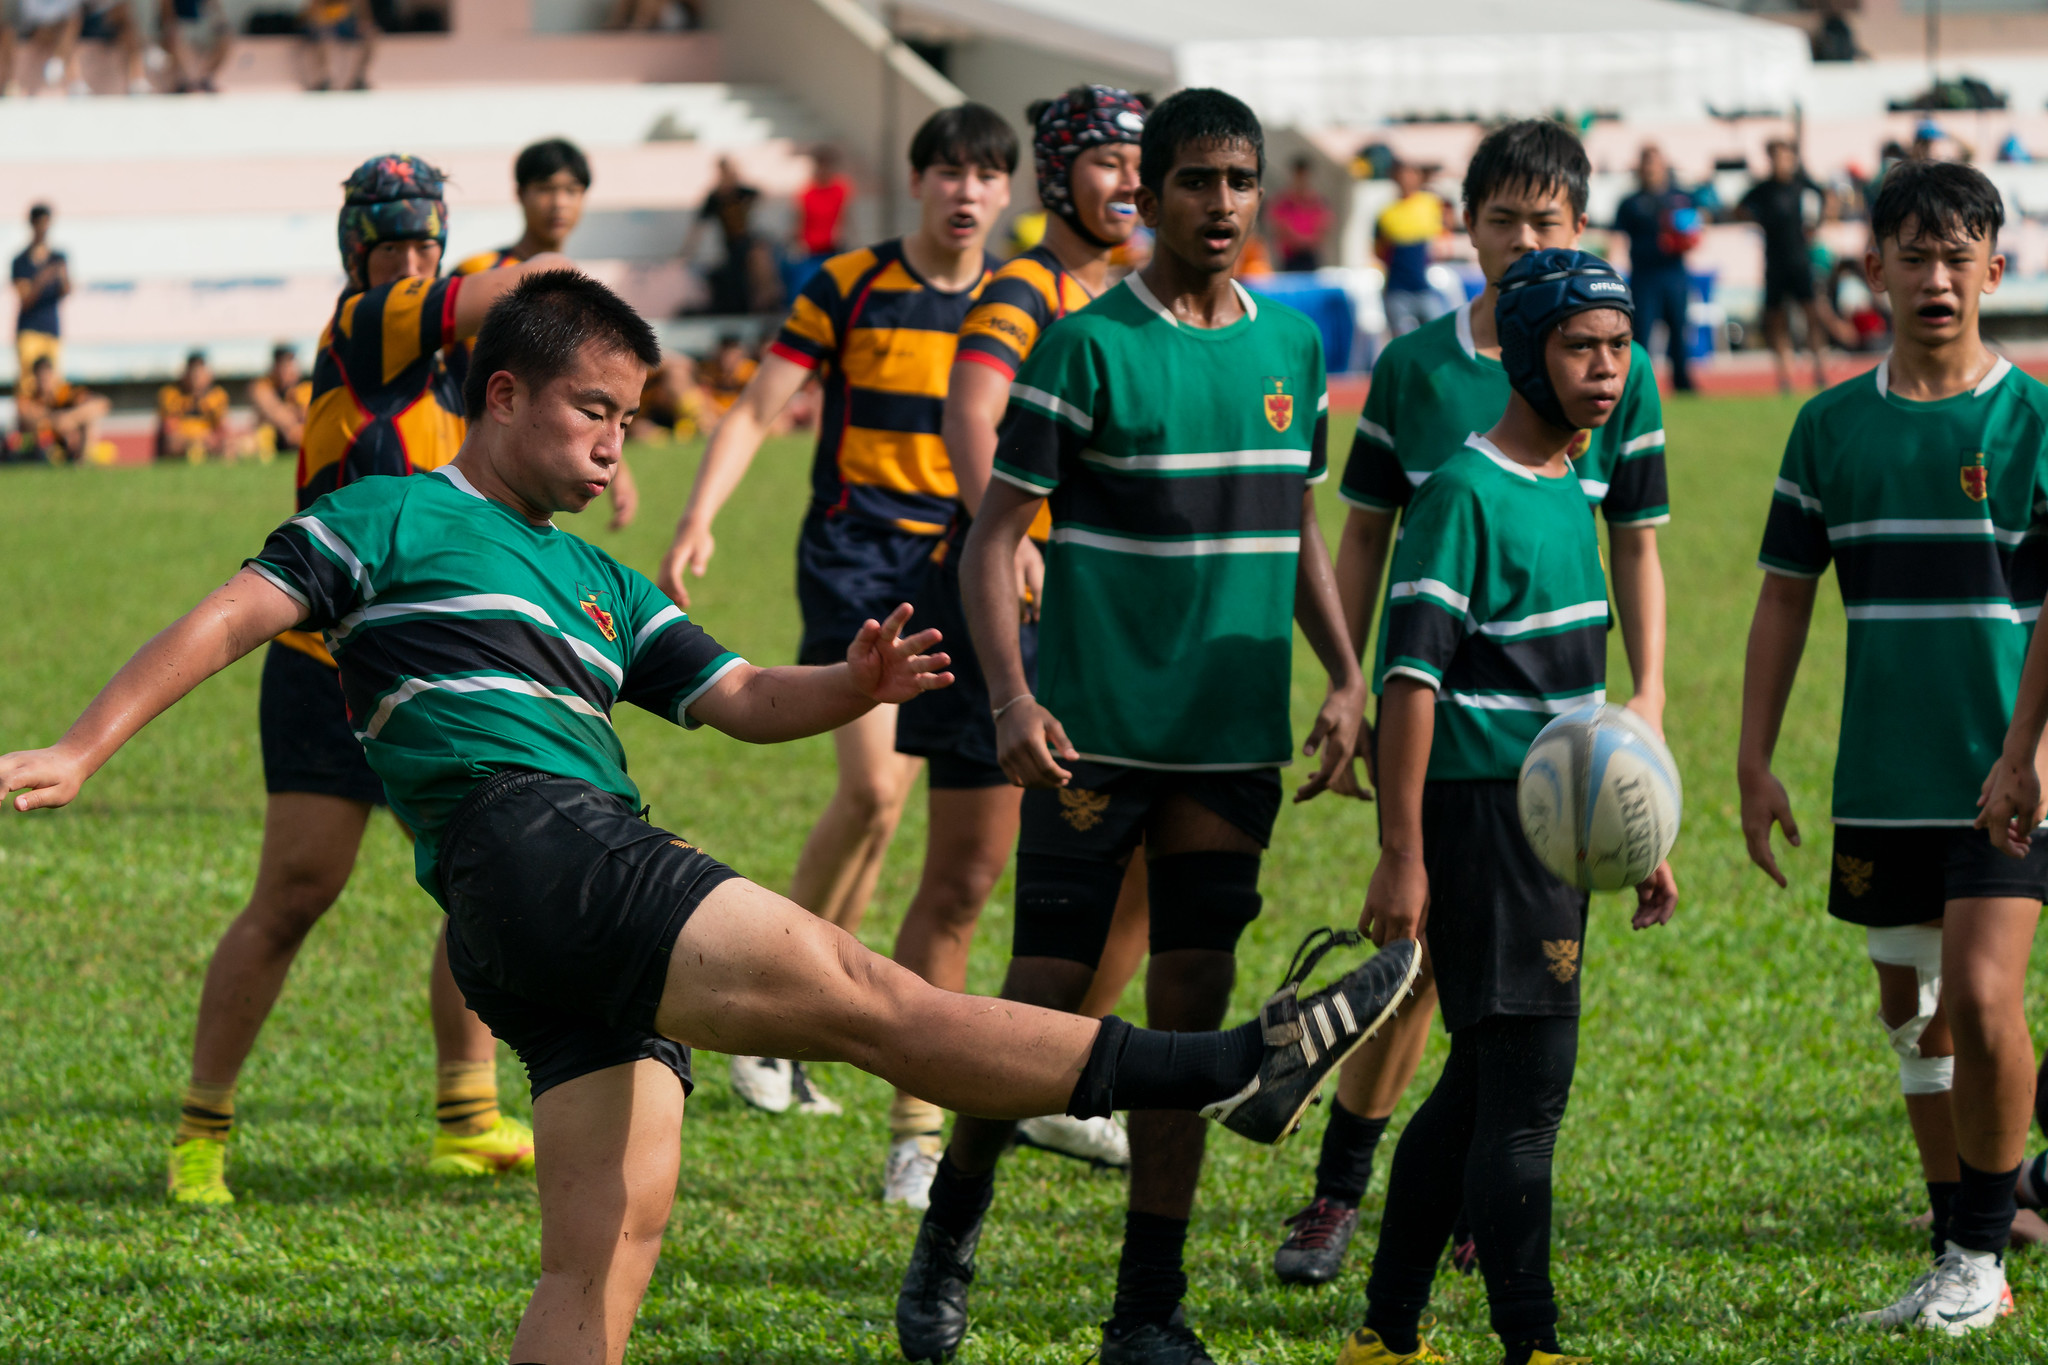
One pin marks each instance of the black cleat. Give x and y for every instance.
(1151, 1343)
(1317, 1239)
(1307, 1039)
(931, 1308)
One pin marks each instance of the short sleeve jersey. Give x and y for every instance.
(1498, 603)
(1175, 459)
(471, 641)
(1931, 515)
(383, 400)
(39, 314)
(190, 415)
(883, 341)
(1780, 209)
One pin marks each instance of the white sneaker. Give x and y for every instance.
(1899, 1312)
(1099, 1140)
(1968, 1293)
(807, 1097)
(762, 1082)
(908, 1173)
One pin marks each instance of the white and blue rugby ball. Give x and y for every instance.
(1600, 798)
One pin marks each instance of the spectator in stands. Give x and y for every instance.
(52, 27)
(671, 402)
(1778, 204)
(1662, 223)
(666, 16)
(746, 281)
(725, 374)
(1403, 237)
(1300, 218)
(197, 37)
(821, 208)
(281, 396)
(192, 414)
(59, 422)
(42, 277)
(113, 22)
(330, 25)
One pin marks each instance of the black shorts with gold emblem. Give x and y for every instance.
(1884, 877)
(1505, 934)
(1075, 841)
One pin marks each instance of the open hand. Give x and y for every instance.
(1656, 898)
(625, 496)
(1335, 734)
(889, 666)
(1764, 803)
(691, 549)
(43, 778)
(2010, 805)
(1396, 901)
(1028, 740)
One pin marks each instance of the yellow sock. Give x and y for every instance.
(208, 1112)
(913, 1117)
(466, 1097)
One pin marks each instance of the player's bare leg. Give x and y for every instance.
(1816, 341)
(608, 1153)
(972, 832)
(836, 872)
(459, 1036)
(1778, 336)
(1985, 947)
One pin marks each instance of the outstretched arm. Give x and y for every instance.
(476, 294)
(1639, 601)
(1321, 615)
(232, 620)
(731, 449)
(770, 705)
(1777, 637)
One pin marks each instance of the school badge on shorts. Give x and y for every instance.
(1855, 874)
(1976, 479)
(1279, 404)
(594, 604)
(1563, 955)
(1081, 808)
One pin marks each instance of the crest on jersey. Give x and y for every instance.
(1563, 954)
(1976, 479)
(1279, 404)
(1582, 441)
(1081, 808)
(595, 606)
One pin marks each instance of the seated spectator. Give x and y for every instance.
(821, 208)
(280, 396)
(671, 404)
(725, 374)
(192, 414)
(197, 36)
(51, 27)
(59, 422)
(329, 25)
(655, 16)
(113, 22)
(1300, 219)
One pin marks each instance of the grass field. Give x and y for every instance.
(1733, 1174)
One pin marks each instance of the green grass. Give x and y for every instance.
(1734, 1171)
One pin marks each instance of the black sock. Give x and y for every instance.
(1518, 1352)
(1143, 1068)
(1400, 1331)
(2037, 1178)
(1941, 1197)
(1345, 1167)
(959, 1199)
(1149, 1280)
(1980, 1219)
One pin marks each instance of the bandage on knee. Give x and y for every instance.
(1202, 900)
(1917, 946)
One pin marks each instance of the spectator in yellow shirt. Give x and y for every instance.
(60, 420)
(280, 395)
(192, 414)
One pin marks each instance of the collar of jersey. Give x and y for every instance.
(1520, 471)
(1151, 301)
(1465, 342)
(462, 484)
(1991, 380)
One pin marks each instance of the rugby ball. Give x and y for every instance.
(1600, 798)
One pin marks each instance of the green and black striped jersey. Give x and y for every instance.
(471, 641)
(1933, 516)
(1175, 459)
(1496, 600)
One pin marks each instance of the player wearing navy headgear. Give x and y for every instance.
(1085, 145)
(1497, 621)
(383, 403)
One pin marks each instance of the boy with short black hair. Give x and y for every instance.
(1923, 483)
(1176, 428)
(192, 414)
(878, 326)
(1497, 622)
(1525, 189)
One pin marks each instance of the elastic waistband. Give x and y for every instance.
(486, 793)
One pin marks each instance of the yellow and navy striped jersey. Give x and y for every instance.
(192, 416)
(1024, 298)
(883, 340)
(457, 358)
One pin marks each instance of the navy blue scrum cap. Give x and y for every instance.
(1533, 296)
